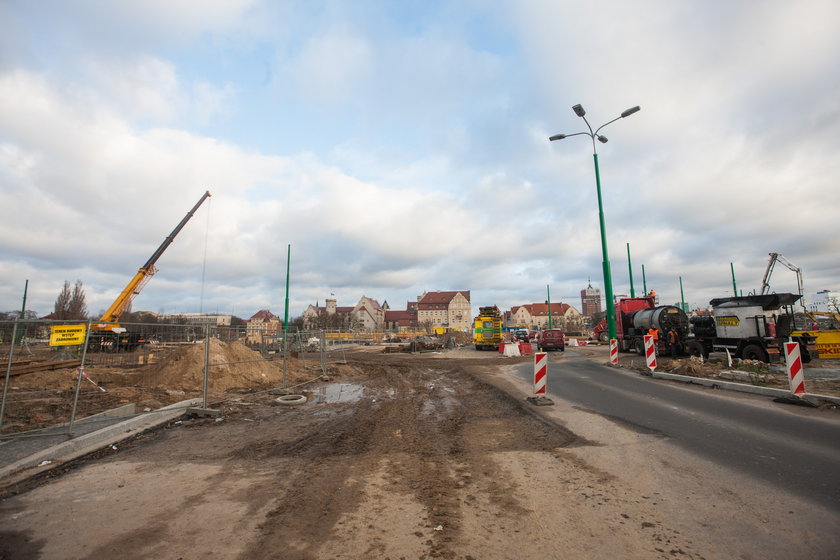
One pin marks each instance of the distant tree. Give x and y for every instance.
(70, 303)
(834, 304)
(78, 307)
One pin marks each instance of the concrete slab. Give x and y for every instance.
(53, 455)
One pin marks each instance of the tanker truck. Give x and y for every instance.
(634, 317)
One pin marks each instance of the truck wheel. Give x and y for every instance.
(604, 337)
(640, 347)
(754, 352)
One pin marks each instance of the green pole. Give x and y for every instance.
(644, 280)
(548, 292)
(18, 337)
(682, 296)
(608, 288)
(286, 316)
(630, 268)
(734, 287)
(288, 261)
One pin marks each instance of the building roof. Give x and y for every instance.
(432, 299)
(541, 309)
(264, 314)
(373, 303)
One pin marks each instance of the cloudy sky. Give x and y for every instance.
(402, 147)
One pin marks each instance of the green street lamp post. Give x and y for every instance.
(608, 289)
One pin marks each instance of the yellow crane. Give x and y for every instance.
(109, 319)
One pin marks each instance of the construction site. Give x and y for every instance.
(182, 441)
(385, 450)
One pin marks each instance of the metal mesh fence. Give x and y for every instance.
(50, 383)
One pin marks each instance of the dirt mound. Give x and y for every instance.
(232, 366)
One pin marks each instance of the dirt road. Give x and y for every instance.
(421, 457)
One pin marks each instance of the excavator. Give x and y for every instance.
(106, 334)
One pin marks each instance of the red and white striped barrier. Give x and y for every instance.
(540, 370)
(796, 374)
(650, 352)
(613, 352)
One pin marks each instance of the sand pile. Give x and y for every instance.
(232, 365)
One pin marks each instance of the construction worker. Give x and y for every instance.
(654, 332)
(673, 342)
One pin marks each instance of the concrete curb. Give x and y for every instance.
(92, 441)
(730, 386)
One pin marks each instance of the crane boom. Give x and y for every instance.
(765, 282)
(144, 274)
(774, 258)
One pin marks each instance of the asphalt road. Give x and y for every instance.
(795, 448)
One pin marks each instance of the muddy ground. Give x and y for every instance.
(170, 375)
(403, 456)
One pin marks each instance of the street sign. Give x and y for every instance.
(67, 335)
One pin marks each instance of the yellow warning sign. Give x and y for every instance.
(727, 321)
(67, 335)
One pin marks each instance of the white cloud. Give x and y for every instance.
(400, 149)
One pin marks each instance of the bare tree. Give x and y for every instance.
(70, 304)
(62, 302)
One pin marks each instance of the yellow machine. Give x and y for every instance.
(108, 326)
(828, 340)
(487, 329)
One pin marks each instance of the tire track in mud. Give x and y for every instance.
(431, 428)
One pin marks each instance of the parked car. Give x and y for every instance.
(552, 339)
(522, 335)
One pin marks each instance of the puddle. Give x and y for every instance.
(340, 392)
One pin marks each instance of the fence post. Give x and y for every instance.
(79, 380)
(206, 362)
(323, 346)
(8, 371)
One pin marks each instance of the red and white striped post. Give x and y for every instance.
(650, 352)
(613, 352)
(796, 374)
(540, 370)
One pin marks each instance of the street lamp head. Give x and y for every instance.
(630, 111)
(578, 109)
(602, 139)
(556, 137)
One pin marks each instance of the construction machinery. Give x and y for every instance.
(487, 328)
(750, 327)
(106, 334)
(771, 264)
(635, 317)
